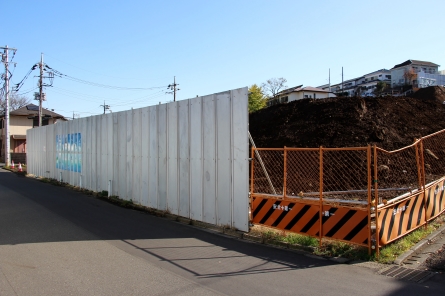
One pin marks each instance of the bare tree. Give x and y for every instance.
(273, 86)
(409, 76)
(15, 102)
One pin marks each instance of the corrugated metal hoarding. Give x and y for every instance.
(189, 157)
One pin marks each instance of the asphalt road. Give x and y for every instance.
(55, 241)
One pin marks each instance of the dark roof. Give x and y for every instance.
(422, 63)
(32, 109)
(300, 88)
(289, 90)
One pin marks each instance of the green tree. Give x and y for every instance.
(381, 85)
(257, 99)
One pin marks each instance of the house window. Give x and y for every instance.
(306, 96)
(35, 122)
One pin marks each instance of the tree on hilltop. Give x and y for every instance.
(273, 86)
(257, 99)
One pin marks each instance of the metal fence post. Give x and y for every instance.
(321, 195)
(262, 165)
(285, 173)
(251, 182)
(376, 203)
(419, 165)
(422, 162)
(368, 156)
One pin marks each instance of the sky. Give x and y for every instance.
(126, 53)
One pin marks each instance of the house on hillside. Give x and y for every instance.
(20, 121)
(364, 86)
(417, 73)
(299, 93)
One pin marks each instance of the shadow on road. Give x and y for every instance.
(36, 212)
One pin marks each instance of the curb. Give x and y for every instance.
(419, 245)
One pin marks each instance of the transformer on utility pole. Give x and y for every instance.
(173, 89)
(106, 107)
(5, 60)
(40, 89)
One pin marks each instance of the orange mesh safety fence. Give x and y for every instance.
(302, 172)
(409, 184)
(345, 174)
(268, 171)
(434, 156)
(398, 172)
(297, 170)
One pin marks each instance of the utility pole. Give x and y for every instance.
(329, 79)
(41, 89)
(106, 107)
(173, 89)
(5, 60)
(342, 89)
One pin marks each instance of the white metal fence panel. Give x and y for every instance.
(188, 157)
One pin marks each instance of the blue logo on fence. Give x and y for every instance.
(69, 152)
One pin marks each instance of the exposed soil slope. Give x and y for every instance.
(389, 122)
(431, 93)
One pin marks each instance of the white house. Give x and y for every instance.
(299, 93)
(410, 71)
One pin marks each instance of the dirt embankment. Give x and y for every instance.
(389, 122)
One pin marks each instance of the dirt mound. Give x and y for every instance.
(389, 122)
(429, 93)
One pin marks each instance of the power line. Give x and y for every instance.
(20, 84)
(82, 96)
(27, 91)
(52, 57)
(61, 75)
